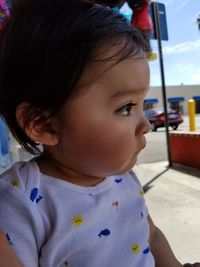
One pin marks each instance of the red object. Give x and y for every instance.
(156, 118)
(162, 117)
(141, 18)
(185, 148)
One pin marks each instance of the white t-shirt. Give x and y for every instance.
(53, 223)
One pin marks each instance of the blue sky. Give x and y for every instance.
(181, 53)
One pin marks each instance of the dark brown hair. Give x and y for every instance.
(44, 48)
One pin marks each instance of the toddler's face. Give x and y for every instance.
(104, 127)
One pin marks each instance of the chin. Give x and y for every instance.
(133, 164)
(128, 166)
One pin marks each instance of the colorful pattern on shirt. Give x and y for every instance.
(57, 223)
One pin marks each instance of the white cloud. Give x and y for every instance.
(186, 73)
(179, 6)
(182, 5)
(169, 2)
(195, 77)
(185, 47)
(183, 73)
(181, 68)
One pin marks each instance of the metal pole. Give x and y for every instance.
(158, 33)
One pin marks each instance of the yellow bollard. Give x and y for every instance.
(191, 113)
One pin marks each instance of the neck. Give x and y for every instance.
(53, 168)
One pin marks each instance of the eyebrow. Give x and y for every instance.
(122, 93)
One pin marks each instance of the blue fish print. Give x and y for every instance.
(104, 232)
(118, 181)
(146, 250)
(34, 193)
(38, 199)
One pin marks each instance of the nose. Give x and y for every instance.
(144, 126)
(147, 127)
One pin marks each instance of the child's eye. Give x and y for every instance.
(126, 109)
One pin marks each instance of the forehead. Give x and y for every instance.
(130, 74)
(106, 59)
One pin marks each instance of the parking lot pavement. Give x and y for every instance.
(173, 199)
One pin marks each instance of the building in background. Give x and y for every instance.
(177, 97)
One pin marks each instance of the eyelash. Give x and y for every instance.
(127, 108)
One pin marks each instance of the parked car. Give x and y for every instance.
(156, 118)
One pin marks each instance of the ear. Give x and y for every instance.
(39, 128)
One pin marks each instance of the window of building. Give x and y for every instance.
(197, 103)
(176, 103)
(150, 103)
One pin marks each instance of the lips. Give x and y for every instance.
(140, 149)
(143, 144)
(143, 147)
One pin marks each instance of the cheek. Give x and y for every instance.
(99, 144)
(109, 141)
